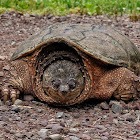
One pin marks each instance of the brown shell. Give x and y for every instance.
(101, 42)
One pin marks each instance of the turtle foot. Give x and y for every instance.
(9, 93)
(129, 88)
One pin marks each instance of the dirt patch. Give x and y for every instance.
(91, 120)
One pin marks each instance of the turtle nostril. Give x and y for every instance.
(64, 89)
(64, 92)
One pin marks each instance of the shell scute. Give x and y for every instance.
(101, 42)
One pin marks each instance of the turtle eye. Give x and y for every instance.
(72, 83)
(56, 83)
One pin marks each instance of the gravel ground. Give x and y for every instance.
(33, 120)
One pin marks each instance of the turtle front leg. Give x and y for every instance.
(11, 84)
(10, 93)
(120, 83)
(129, 88)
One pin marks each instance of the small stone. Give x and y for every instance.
(76, 124)
(76, 115)
(7, 67)
(105, 134)
(101, 127)
(86, 137)
(2, 137)
(39, 110)
(74, 138)
(1, 103)
(56, 137)
(35, 102)
(115, 121)
(104, 105)
(2, 57)
(43, 133)
(125, 111)
(13, 43)
(15, 108)
(18, 102)
(59, 114)
(57, 128)
(130, 118)
(43, 122)
(2, 123)
(21, 125)
(74, 130)
(18, 118)
(69, 122)
(117, 108)
(19, 135)
(1, 74)
(104, 138)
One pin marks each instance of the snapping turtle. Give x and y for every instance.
(66, 64)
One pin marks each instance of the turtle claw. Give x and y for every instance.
(126, 97)
(5, 93)
(10, 94)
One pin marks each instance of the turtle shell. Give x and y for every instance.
(101, 42)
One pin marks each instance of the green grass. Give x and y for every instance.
(63, 7)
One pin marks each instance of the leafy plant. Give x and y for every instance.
(63, 7)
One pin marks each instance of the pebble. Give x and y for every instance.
(101, 127)
(76, 115)
(18, 102)
(74, 130)
(74, 138)
(19, 135)
(105, 134)
(117, 108)
(56, 137)
(86, 137)
(13, 43)
(1, 74)
(21, 125)
(2, 57)
(115, 121)
(104, 106)
(37, 103)
(7, 67)
(125, 111)
(15, 108)
(75, 124)
(69, 122)
(43, 133)
(130, 118)
(1, 103)
(2, 123)
(59, 115)
(39, 110)
(55, 127)
(104, 138)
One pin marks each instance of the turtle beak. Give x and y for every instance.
(64, 89)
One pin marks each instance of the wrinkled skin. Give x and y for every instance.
(64, 78)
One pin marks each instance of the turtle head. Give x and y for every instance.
(63, 80)
(64, 86)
